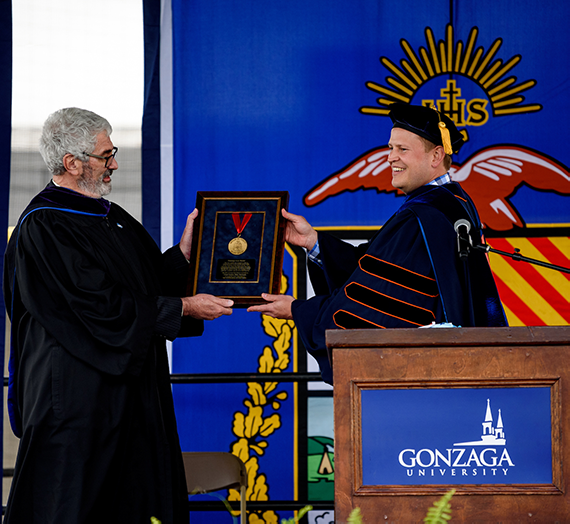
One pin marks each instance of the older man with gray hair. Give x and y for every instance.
(92, 301)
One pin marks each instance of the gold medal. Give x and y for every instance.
(237, 246)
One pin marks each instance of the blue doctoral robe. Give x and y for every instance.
(408, 275)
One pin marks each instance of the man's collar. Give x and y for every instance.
(440, 180)
(65, 198)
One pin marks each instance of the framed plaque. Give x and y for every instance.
(238, 244)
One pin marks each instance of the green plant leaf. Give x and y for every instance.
(440, 512)
(355, 517)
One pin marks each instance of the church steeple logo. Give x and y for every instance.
(492, 435)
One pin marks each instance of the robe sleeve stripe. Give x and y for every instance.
(73, 211)
(399, 275)
(388, 305)
(345, 320)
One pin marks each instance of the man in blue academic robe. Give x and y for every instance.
(410, 273)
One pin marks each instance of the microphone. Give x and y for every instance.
(462, 228)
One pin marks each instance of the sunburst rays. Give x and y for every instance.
(448, 58)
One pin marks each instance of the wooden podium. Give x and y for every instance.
(512, 466)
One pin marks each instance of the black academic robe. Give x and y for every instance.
(409, 275)
(92, 299)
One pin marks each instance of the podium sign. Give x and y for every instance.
(456, 435)
(481, 410)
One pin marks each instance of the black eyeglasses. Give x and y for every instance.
(107, 159)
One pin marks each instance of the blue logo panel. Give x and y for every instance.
(456, 436)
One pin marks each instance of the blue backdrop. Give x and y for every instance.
(284, 96)
(294, 96)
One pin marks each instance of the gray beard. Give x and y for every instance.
(87, 183)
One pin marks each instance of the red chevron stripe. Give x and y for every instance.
(551, 253)
(511, 300)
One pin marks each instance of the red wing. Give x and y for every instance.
(505, 167)
(492, 175)
(369, 171)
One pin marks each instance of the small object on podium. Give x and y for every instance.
(238, 245)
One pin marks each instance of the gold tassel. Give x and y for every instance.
(445, 138)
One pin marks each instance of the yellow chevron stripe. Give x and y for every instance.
(563, 244)
(525, 291)
(512, 319)
(555, 278)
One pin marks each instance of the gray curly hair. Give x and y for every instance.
(70, 130)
